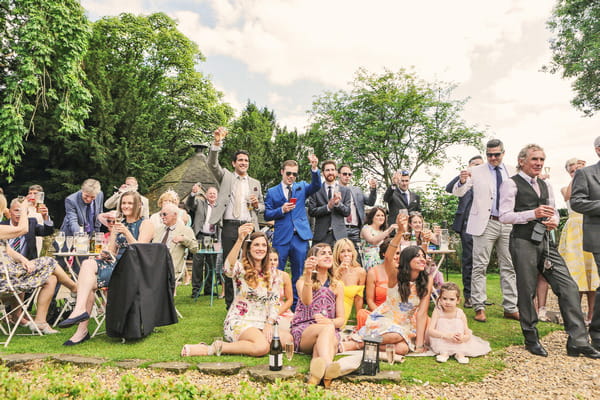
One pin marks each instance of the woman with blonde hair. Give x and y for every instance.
(349, 271)
(170, 196)
(319, 314)
(248, 326)
(580, 263)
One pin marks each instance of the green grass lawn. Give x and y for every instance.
(201, 323)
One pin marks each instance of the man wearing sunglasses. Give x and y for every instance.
(487, 230)
(358, 200)
(399, 197)
(284, 203)
(240, 199)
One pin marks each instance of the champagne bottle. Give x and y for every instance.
(276, 351)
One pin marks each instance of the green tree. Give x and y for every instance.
(257, 131)
(148, 104)
(576, 50)
(389, 121)
(41, 80)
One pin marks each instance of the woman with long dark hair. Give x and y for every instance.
(402, 320)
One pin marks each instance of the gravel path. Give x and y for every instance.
(525, 377)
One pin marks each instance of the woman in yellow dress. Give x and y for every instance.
(580, 263)
(349, 271)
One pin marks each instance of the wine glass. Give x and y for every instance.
(217, 346)
(247, 237)
(206, 240)
(289, 353)
(60, 240)
(118, 217)
(69, 241)
(547, 172)
(390, 352)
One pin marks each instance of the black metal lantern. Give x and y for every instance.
(370, 359)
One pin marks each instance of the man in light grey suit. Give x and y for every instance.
(585, 199)
(202, 208)
(330, 205)
(487, 231)
(358, 200)
(239, 202)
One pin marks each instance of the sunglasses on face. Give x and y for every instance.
(110, 221)
(347, 173)
(288, 173)
(164, 214)
(490, 155)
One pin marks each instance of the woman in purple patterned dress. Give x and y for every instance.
(320, 313)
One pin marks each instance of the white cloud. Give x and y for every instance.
(102, 8)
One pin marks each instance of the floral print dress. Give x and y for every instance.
(20, 278)
(252, 307)
(395, 316)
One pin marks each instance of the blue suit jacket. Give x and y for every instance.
(75, 213)
(463, 209)
(285, 224)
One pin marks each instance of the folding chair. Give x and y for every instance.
(99, 309)
(18, 308)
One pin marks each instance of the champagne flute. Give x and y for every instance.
(217, 346)
(547, 172)
(390, 353)
(118, 217)
(69, 241)
(289, 353)
(60, 240)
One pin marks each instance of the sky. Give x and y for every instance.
(282, 53)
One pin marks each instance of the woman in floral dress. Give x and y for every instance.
(372, 234)
(248, 326)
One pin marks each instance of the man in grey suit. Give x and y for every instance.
(358, 200)
(527, 203)
(329, 206)
(585, 199)
(202, 208)
(239, 202)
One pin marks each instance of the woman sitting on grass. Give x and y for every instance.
(319, 314)
(349, 271)
(248, 326)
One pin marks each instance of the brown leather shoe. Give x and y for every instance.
(512, 315)
(480, 316)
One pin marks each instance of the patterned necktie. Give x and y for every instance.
(289, 192)
(405, 197)
(498, 183)
(17, 244)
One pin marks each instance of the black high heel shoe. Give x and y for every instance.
(72, 343)
(75, 320)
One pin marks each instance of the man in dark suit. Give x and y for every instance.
(82, 209)
(26, 244)
(585, 199)
(460, 226)
(329, 206)
(527, 203)
(202, 208)
(284, 203)
(399, 197)
(358, 200)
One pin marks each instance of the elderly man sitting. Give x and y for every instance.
(176, 236)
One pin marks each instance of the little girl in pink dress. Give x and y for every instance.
(449, 333)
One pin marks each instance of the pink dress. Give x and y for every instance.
(473, 348)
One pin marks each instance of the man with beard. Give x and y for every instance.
(329, 206)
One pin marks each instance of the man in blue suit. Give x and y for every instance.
(460, 226)
(82, 209)
(284, 203)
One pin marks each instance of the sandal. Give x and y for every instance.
(187, 349)
(43, 328)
